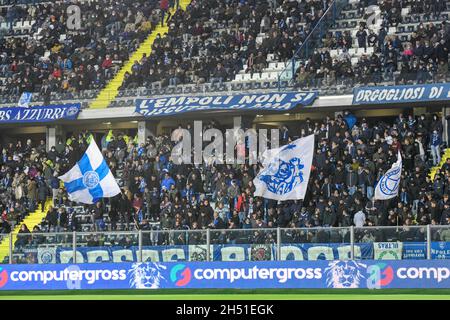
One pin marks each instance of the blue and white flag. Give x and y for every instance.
(25, 99)
(387, 187)
(286, 171)
(90, 179)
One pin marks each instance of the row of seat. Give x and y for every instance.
(27, 24)
(353, 51)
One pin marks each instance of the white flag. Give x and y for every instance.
(90, 179)
(286, 170)
(387, 187)
(25, 99)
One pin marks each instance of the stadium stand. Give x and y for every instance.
(44, 54)
(404, 42)
(128, 49)
(158, 195)
(356, 43)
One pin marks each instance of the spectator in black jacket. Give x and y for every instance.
(97, 216)
(52, 218)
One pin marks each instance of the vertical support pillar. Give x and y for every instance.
(352, 243)
(445, 124)
(74, 246)
(237, 122)
(10, 247)
(208, 245)
(278, 244)
(52, 136)
(140, 246)
(429, 242)
(145, 129)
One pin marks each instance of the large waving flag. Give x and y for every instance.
(90, 179)
(388, 186)
(286, 171)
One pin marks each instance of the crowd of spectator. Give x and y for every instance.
(422, 58)
(61, 54)
(213, 40)
(350, 156)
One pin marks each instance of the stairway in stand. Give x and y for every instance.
(435, 169)
(32, 220)
(110, 92)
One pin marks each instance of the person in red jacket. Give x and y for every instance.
(164, 6)
(107, 63)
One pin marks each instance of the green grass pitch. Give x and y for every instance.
(232, 294)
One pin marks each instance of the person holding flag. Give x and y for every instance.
(389, 184)
(90, 179)
(286, 170)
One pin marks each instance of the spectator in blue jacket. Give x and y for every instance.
(167, 182)
(435, 145)
(54, 184)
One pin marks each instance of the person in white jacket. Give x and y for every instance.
(359, 219)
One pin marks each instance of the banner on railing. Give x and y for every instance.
(387, 250)
(414, 250)
(226, 252)
(39, 113)
(401, 94)
(265, 101)
(440, 250)
(237, 252)
(369, 274)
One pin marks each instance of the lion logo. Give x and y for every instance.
(344, 274)
(146, 275)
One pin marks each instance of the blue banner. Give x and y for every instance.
(227, 252)
(239, 275)
(39, 113)
(440, 250)
(401, 94)
(414, 250)
(277, 101)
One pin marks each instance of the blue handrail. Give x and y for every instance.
(305, 43)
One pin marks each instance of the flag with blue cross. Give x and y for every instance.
(90, 179)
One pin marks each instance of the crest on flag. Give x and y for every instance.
(389, 183)
(90, 179)
(286, 170)
(280, 178)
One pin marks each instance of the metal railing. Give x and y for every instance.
(217, 245)
(313, 39)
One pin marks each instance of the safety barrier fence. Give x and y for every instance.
(343, 243)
